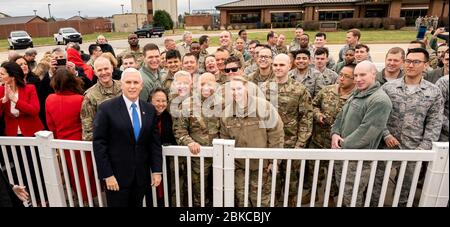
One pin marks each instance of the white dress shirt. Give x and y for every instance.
(130, 110)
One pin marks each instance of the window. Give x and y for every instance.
(375, 12)
(286, 17)
(411, 15)
(334, 15)
(245, 17)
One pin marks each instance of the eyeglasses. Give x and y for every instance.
(414, 62)
(235, 69)
(346, 76)
(265, 57)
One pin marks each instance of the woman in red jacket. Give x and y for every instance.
(19, 106)
(20, 103)
(63, 119)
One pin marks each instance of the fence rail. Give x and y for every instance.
(63, 173)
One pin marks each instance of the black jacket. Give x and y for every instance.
(115, 148)
(7, 196)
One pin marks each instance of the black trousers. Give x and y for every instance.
(131, 196)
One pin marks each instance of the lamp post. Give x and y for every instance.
(49, 13)
(189, 5)
(34, 11)
(122, 7)
(79, 13)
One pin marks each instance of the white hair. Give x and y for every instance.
(130, 71)
(181, 74)
(185, 34)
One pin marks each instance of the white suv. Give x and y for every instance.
(19, 39)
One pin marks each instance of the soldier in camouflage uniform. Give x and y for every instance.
(303, 73)
(204, 44)
(393, 65)
(134, 49)
(252, 64)
(295, 109)
(320, 41)
(152, 75)
(105, 88)
(326, 105)
(251, 126)
(360, 125)
(226, 42)
(211, 66)
(349, 58)
(221, 56)
(328, 76)
(173, 59)
(185, 46)
(416, 117)
(302, 44)
(295, 44)
(442, 83)
(181, 90)
(264, 72)
(281, 46)
(195, 129)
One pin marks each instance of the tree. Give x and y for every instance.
(162, 19)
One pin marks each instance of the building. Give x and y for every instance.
(150, 6)
(2, 15)
(291, 11)
(21, 20)
(129, 22)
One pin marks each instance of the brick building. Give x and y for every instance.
(291, 11)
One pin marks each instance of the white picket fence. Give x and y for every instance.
(55, 190)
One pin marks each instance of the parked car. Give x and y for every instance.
(66, 35)
(19, 39)
(149, 30)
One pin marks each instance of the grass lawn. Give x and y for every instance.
(368, 36)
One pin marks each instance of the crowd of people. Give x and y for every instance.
(262, 95)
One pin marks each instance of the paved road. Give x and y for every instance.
(377, 51)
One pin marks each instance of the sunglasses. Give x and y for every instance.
(235, 69)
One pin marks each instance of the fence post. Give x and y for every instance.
(217, 173)
(50, 169)
(436, 186)
(228, 173)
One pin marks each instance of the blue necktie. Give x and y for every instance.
(136, 125)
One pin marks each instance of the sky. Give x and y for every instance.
(90, 8)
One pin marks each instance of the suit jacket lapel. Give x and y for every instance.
(126, 117)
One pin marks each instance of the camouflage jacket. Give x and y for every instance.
(168, 82)
(282, 49)
(416, 116)
(201, 61)
(139, 55)
(255, 127)
(295, 109)
(250, 67)
(442, 83)
(327, 103)
(194, 125)
(328, 77)
(382, 78)
(257, 78)
(309, 79)
(93, 97)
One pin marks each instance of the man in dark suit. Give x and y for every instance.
(127, 145)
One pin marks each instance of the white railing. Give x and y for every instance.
(58, 190)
